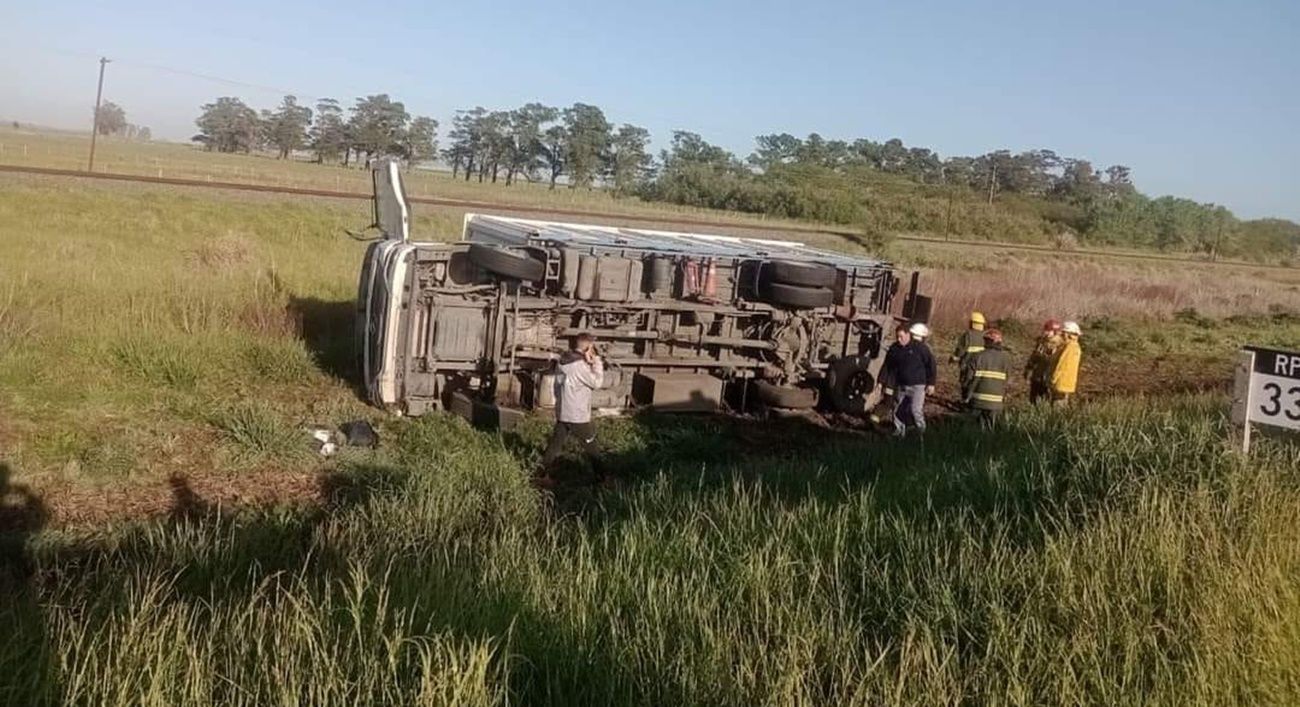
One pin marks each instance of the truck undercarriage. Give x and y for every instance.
(686, 322)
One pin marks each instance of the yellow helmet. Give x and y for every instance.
(976, 318)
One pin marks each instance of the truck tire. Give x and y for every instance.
(803, 274)
(797, 296)
(785, 396)
(507, 263)
(849, 384)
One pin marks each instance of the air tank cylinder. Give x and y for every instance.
(659, 277)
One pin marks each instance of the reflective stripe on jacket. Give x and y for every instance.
(1065, 375)
(970, 342)
(986, 378)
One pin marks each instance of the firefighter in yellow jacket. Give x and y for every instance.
(985, 374)
(1065, 374)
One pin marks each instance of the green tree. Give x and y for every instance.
(588, 135)
(812, 150)
(111, 119)
(419, 142)
(1078, 180)
(867, 152)
(462, 150)
(329, 135)
(496, 142)
(555, 151)
(629, 160)
(228, 125)
(286, 128)
(1269, 238)
(468, 149)
(524, 131)
(772, 150)
(377, 126)
(893, 156)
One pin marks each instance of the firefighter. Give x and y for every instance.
(969, 343)
(908, 375)
(1065, 373)
(985, 373)
(1038, 369)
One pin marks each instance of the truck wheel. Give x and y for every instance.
(802, 274)
(797, 296)
(785, 396)
(507, 263)
(850, 384)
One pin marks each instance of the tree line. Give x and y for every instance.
(882, 187)
(377, 126)
(111, 120)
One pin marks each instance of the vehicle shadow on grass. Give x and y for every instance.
(28, 671)
(326, 328)
(957, 468)
(213, 557)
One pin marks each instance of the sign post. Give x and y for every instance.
(1266, 391)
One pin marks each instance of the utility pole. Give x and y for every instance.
(1218, 241)
(94, 128)
(993, 179)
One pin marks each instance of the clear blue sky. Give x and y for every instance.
(1200, 97)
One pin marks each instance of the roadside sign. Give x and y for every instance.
(1267, 390)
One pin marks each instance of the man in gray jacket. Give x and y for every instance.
(581, 371)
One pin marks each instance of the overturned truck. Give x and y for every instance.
(686, 322)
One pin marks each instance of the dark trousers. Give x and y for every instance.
(583, 432)
(1039, 390)
(988, 418)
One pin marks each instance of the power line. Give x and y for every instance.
(184, 72)
(218, 79)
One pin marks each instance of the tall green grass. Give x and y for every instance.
(1114, 554)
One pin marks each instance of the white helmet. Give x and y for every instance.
(1071, 328)
(919, 330)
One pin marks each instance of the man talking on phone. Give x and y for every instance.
(581, 371)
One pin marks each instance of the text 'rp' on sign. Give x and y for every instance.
(1271, 362)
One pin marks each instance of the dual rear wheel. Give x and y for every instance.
(785, 283)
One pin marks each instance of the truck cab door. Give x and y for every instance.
(392, 211)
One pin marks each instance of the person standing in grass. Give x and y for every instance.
(969, 343)
(1065, 374)
(908, 375)
(1038, 369)
(985, 375)
(581, 371)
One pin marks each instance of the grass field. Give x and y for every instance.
(168, 538)
(1111, 555)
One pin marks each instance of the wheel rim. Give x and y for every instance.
(858, 386)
